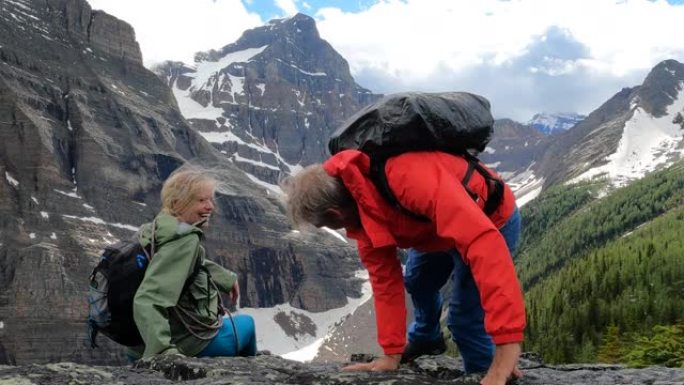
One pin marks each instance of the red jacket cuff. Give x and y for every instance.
(508, 338)
(393, 350)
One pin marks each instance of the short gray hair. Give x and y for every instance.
(310, 193)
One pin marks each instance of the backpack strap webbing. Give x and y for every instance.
(379, 179)
(495, 186)
(152, 245)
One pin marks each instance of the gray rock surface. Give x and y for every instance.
(439, 370)
(514, 147)
(357, 332)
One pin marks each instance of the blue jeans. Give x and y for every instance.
(224, 344)
(424, 276)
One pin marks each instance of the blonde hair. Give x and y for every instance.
(181, 188)
(310, 193)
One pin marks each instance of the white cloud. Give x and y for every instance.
(439, 44)
(527, 56)
(287, 6)
(176, 29)
(411, 36)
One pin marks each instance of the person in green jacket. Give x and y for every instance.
(177, 307)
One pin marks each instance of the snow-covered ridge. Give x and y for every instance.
(208, 74)
(647, 143)
(205, 70)
(550, 123)
(204, 76)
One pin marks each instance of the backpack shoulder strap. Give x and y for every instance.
(379, 178)
(150, 254)
(495, 186)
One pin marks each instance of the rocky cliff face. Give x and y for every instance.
(637, 131)
(588, 143)
(270, 100)
(87, 136)
(514, 146)
(438, 370)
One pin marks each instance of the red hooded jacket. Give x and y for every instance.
(429, 183)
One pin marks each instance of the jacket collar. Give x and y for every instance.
(353, 168)
(167, 229)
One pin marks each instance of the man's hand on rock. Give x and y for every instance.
(384, 363)
(504, 365)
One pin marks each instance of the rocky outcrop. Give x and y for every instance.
(87, 136)
(589, 142)
(275, 370)
(514, 147)
(661, 87)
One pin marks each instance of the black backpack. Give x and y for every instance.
(452, 122)
(113, 284)
(112, 288)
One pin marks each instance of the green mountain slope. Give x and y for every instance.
(589, 266)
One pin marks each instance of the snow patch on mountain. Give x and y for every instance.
(297, 334)
(205, 77)
(11, 180)
(194, 110)
(206, 71)
(525, 185)
(647, 143)
(206, 74)
(551, 123)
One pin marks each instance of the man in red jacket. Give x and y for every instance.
(486, 310)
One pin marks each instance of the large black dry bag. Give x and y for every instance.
(452, 122)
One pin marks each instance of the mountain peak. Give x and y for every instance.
(299, 30)
(299, 24)
(670, 65)
(661, 87)
(261, 99)
(292, 20)
(551, 123)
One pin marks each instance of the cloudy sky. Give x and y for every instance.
(526, 56)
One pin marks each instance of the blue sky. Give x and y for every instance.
(269, 9)
(526, 56)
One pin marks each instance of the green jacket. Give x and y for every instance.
(160, 295)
